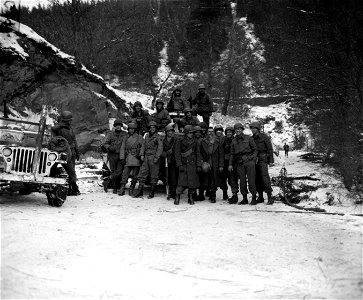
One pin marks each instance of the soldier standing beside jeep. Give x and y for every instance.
(265, 157)
(64, 129)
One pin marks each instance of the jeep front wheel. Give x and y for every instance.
(57, 196)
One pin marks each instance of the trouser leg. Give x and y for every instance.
(265, 177)
(259, 180)
(250, 171)
(144, 171)
(154, 170)
(234, 180)
(241, 175)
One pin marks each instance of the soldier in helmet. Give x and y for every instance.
(188, 161)
(204, 127)
(141, 117)
(189, 119)
(161, 116)
(130, 153)
(264, 158)
(226, 176)
(203, 105)
(212, 155)
(169, 155)
(242, 161)
(177, 103)
(150, 155)
(64, 129)
(112, 146)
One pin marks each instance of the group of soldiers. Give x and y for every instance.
(174, 146)
(199, 158)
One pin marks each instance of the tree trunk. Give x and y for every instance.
(228, 94)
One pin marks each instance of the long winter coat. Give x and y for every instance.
(203, 104)
(130, 150)
(172, 168)
(264, 147)
(113, 141)
(189, 176)
(213, 154)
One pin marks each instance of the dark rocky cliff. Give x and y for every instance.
(34, 73)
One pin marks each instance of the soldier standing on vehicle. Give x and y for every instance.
(212, 156)
(189, 119)
(141, 117)
(150, 155)
(286, 149)
(242, 161)
(177, 103)
(188, 161)
(169, 155)
(161, 116)
(64, 129)
(112, 146)
(130, 154)
(265, 157)
(202, 104)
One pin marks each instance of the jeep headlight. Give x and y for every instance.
(7, 152)
(52, 156)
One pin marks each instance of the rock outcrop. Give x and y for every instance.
(34, 73)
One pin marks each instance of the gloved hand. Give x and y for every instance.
(142, 157)
(199, 169)
(138, 119)
(220, 170)
(123, 161)
(230, 168)
(155, 160)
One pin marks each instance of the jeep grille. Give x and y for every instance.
(23, 160)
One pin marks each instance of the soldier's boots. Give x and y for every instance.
(244, 200)
(260, 198)
(201, 195)
(233, 199)
(172, 193)
(152, 191)
(121, 191)
(190, 199)
(73, 190)
(177, 199)
(140, 191)
(132, 188)
(270, 199)
(105, 184)
(115, 190)
(254, 200)
(212, 197)
(225, 195)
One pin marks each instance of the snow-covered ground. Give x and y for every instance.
(105, 246)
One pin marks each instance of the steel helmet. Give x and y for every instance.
(256, 124)
(169, 127)
(229, 128)
(117, 122)
(188, 129)
(137, 103)
(153, 123)
(177, 89)
(206, 167)
(66, 115)
(201, 86)
(238, 125)
(132, 126)
(218, 128)
(203, 125)
(197, 128)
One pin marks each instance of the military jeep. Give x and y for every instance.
(28, 164)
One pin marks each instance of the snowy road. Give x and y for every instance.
(106, 246)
